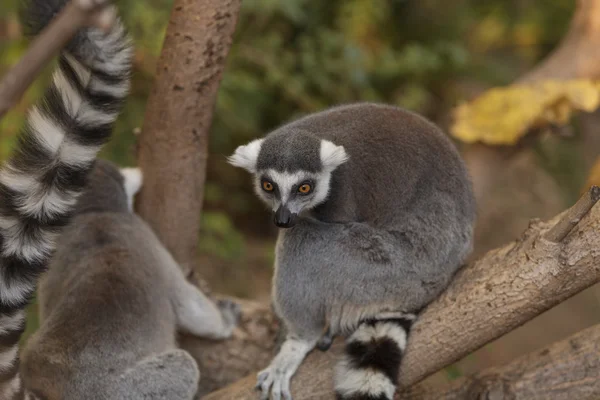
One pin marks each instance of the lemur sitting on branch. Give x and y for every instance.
(378, 214)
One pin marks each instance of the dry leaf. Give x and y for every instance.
(501, 116)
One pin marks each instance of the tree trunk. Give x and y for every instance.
(174, 140)
(577, 56)
(569, 369)
(504, 289)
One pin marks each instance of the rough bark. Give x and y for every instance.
(173, 143)
(504, 289)
(75, 15)
(577, 54)
(569, 369)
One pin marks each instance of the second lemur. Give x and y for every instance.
(378, 212)
(111, 304)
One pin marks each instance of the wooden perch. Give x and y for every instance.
(566, 370)
(76, 15)
(173, 145)
(504, 289)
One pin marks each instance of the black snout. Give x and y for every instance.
(284, 218)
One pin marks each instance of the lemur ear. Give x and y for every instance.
(332, 155)
(133, 179)
(246, 156)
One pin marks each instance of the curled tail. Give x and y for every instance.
(369, 369)
(43, 178)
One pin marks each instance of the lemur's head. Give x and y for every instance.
(109, 188)
(292, 171)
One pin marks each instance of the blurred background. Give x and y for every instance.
(292, 57)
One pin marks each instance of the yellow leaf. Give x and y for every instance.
(501, 116)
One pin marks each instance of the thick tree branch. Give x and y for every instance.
(504, 289)
(569, 369)
(76, 15)
(174, 140)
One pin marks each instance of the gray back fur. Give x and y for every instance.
(110, 306)
(105, 190)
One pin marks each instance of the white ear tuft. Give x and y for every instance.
(246, 156)
(332, 155)
(133, 179)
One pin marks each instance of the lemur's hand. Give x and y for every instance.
(231, 314)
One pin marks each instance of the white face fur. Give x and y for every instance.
(298, 191)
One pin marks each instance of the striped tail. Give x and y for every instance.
(369, 369)
(43, 178)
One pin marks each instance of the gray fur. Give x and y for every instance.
(396, 224)
(172, 374)
(284, 152)
(110, 305)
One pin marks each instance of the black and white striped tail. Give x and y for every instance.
(369, 369)
(41, 181)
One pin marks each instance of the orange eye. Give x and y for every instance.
(305, 189)
(267, 186)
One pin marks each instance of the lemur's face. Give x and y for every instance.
(292, 174)
(288, 194)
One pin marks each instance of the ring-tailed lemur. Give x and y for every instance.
(110, 304)
(380, 211)
(41, 181)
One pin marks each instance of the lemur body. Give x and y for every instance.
(380, 213)
(46, 173)
(111, 303)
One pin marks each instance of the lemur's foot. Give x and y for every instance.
(231, 314)
(275, 380)
(326, 341)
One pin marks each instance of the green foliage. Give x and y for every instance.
(219, 236)
(453, 372)
(33, 321)
(292, 57)
(556, 156)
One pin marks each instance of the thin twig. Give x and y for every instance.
(573, 215)
(76, 15)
